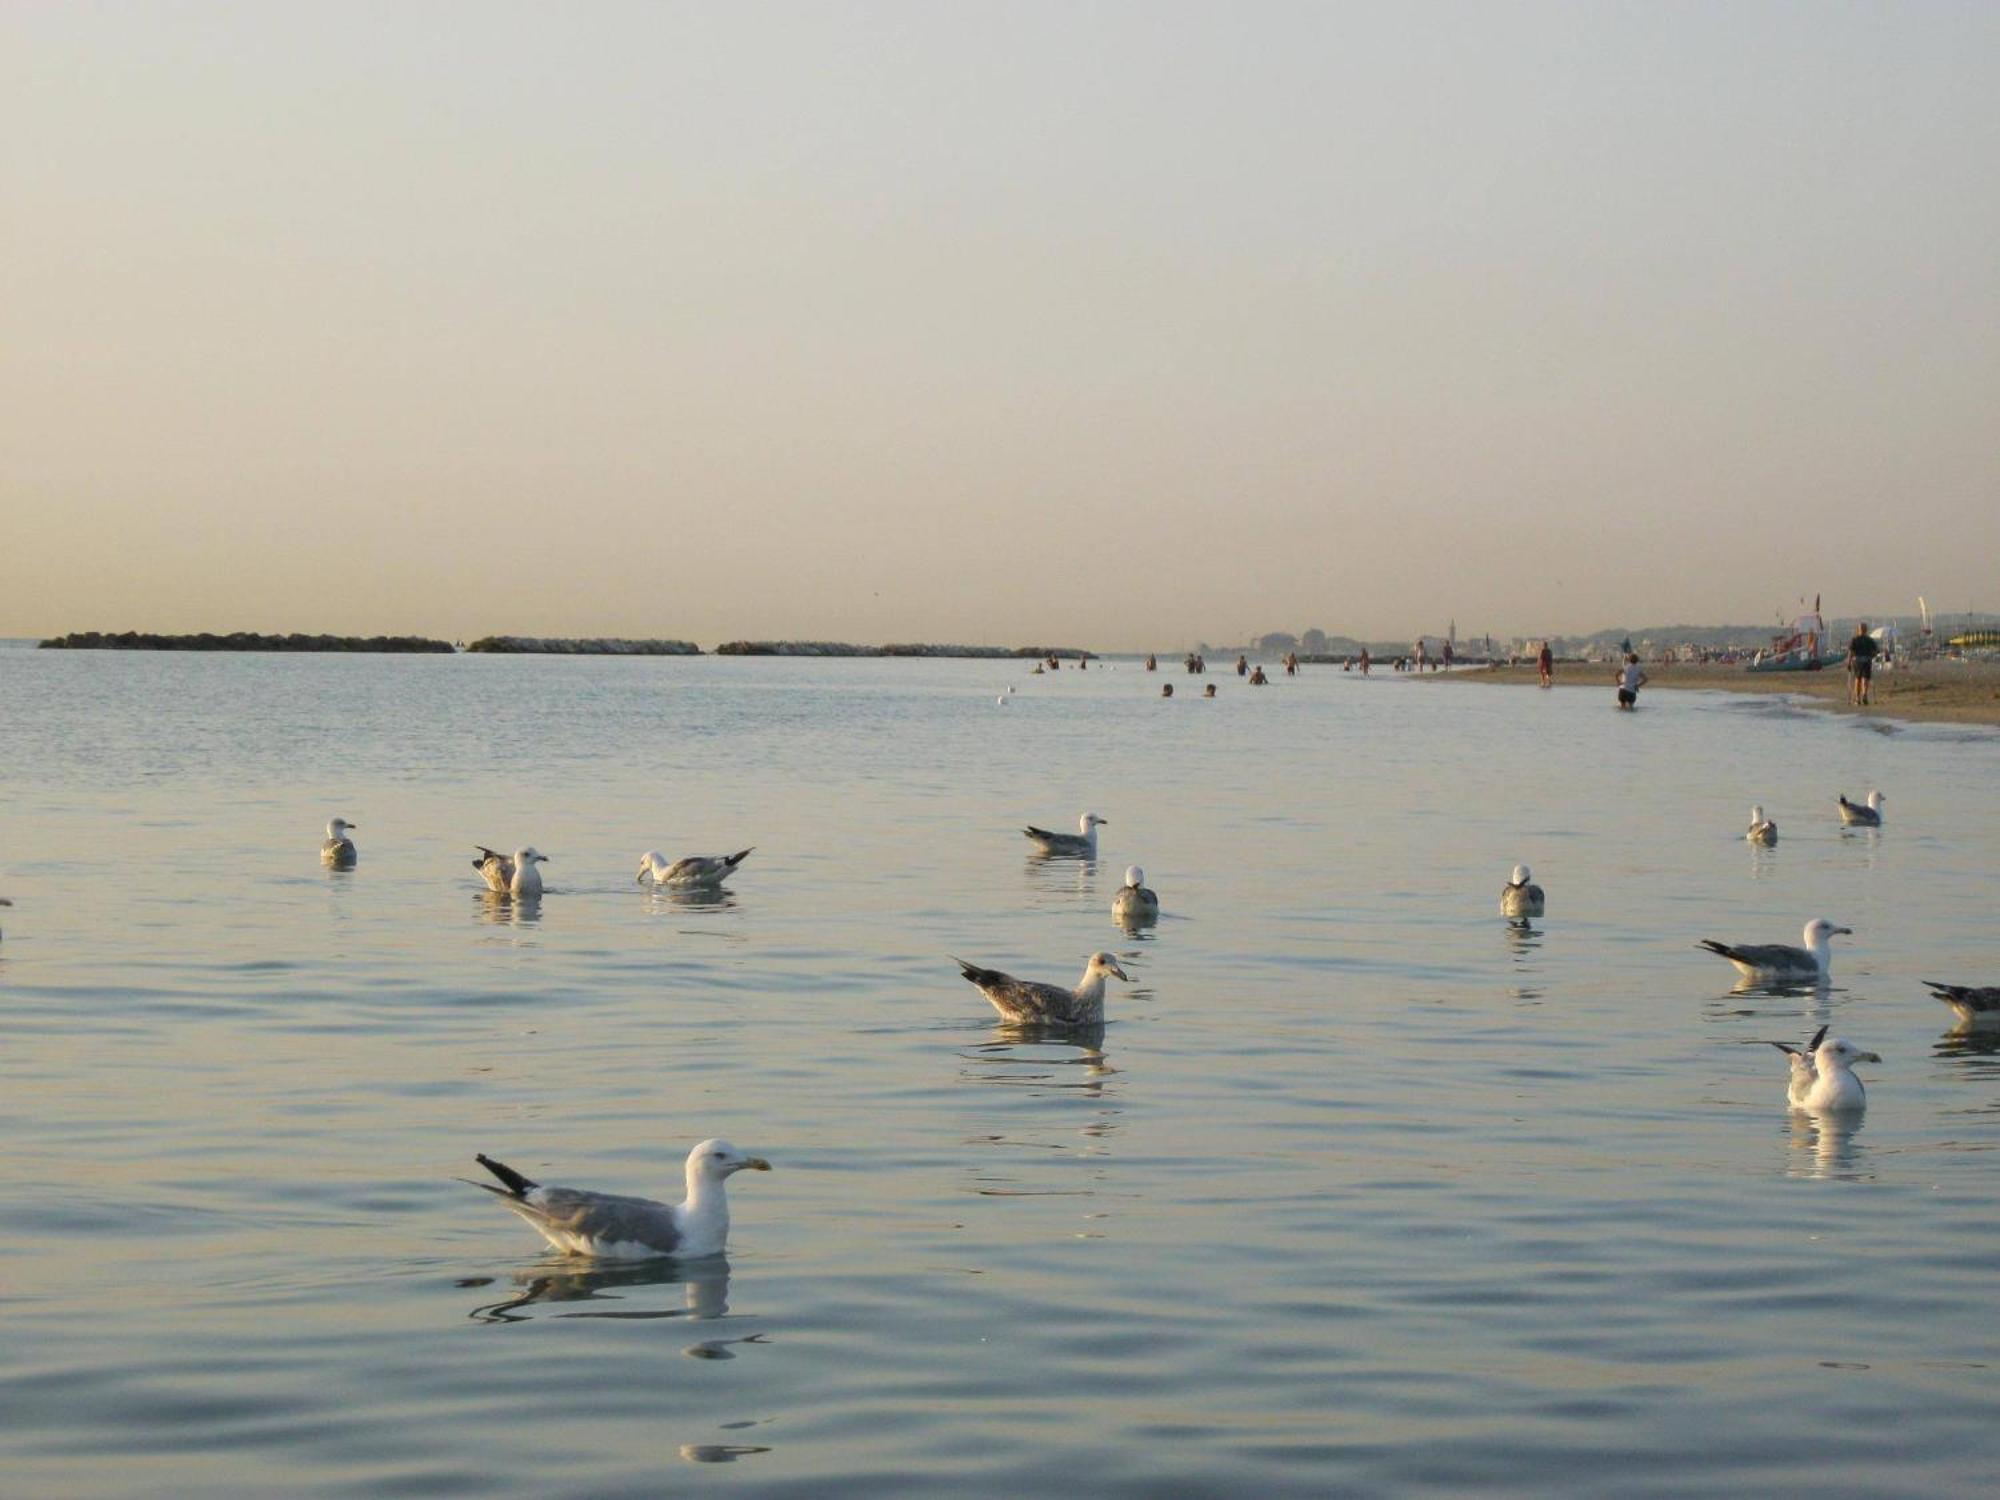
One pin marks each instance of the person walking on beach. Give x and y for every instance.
(1545, 663)
(1861, 665)
(1630, 680)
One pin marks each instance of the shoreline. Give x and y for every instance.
(1926, 692)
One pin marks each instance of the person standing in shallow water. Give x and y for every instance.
(1545, 662)
(1861, 665)
(1630, 680)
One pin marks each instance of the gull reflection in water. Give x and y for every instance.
(613, 1290)
(1969, 1039)
(720, 1453)
(689, 897)
(502, 910)
(1823, 1146)
(1060, 874)
(1031, 1057)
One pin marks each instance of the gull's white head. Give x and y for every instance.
(1104, 963)
(1089, 821)
(1840, 1053)
(1134, 876)
(1756, 815)
(1521, 875)
(650, 861)
(1875, 800)
(715, 1160)
(530, 856)
(1819, 929)
(337, 829)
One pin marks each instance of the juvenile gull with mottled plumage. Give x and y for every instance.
(515, 876)
(1520, 897)
(338, 848)
(611, 1226)
(1977, 1005)
(1029, 1003)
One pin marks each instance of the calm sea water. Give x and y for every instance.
(1363, 1192)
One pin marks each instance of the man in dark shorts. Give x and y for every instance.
(1861, 665)
(1630, 679)
(1545, 660)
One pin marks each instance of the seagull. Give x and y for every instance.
(696, 869)
(1134, 903)
(338, 848)
(1782, 960)
(1834, 1087)
(1804, 1073)
(1519, 897)
(611, 1226)
(1762, 829)
(1080, 845)
(1027, 1003)
(1976, 1005)
(1858, 815)
(510, 877)
(5, 902)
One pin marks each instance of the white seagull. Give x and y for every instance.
(1520, 897)
(1028, 1003)
(1834, 1088)
(1977, 1005)
(338, 848)
(1804, 1072)
(1862, 815)
(1782, 960)
(5, 902)
(696, 869)
(1762, 829)
(611, 1226)
(1081, 845)
(510, 877)
(1134, 903)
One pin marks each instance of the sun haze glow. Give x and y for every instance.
(1118, 325)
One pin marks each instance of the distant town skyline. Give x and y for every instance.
(1123, 326)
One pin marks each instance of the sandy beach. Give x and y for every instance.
(1958, 692)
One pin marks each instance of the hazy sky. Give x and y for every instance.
(1112, 324)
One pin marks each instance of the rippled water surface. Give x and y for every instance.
(1363, 1191)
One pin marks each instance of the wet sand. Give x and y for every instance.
(1958, 692)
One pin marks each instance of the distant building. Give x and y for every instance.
(1277, 641)
(1313, 642)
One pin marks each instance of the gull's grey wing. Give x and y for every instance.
(600, 1218)
(1763, 955)
(337, 849)
(495, 868)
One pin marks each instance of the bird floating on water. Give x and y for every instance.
(1805, 1073)
(696, 869)
(1762, 829)
(1781, 960)
(5, 902)
(1520, 897)
(515, 876)
(1833, 1088)
(611, 1226)
(1862, 815)
(1027, 1003)
(1977, 1005)
(1079, 845)
(1135, 903)
(338, 848)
